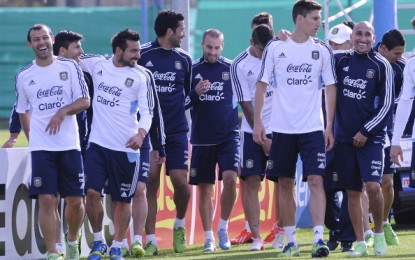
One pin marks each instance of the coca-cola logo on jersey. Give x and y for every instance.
(53, 91)
(216, 86)
(168, 76)
(356, 83)
(112, 90)
(305, 67)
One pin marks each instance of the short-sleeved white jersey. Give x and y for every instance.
(119, 93)
(297, 68)
(244, 74)
(45, 90)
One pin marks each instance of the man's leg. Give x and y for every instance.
(375, 196)
(48, 220)
(388, 196)
(252, 208)
(206, 214)
(139, 212)
(122, 217)
(355, 212)
(95, 213)
(74, 214)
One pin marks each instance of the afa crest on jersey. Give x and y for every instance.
(270, 164)
(178, 65)
(193, 172)
(315, 55)
(225, 75)
(128, 82)
(37, 182)
(63, 75)
(249, 163)
(370, 73)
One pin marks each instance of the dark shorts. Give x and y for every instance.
(358, 165)
(56, 172)
(120, 170)
(253, 159)
(284, 154)
(205, 158)
(412, 176)
(177, 149)
(388, 164)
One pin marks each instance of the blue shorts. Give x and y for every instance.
(388, 164)
(204, 159)
(358, 165)
(121, 169)
(177, 149)
(253, 158)
(56, 172)
(412, 175)
(284, 154)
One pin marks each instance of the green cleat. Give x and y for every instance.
(125, 252)
(179, 239)
(358, 251)
(390, 235)
(137, 249)
(55, 256)
(150, 249)
(319, 249)
(72, 251)
(289, 250)
(380, 246)
(370, 240)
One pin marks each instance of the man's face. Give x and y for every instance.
(258, 50)
(363, 37)
(176, 37)
(392, 55)
(212, 48)
(74, 51)
(131, 54)
(41, 43)
(347, 45)
(311, 22)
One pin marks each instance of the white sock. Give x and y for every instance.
(116, 244)
(378, 234)
(368, 232)
(385, 222)
(318, 233)
(71, 243)
(223, 224)
(179, 222)
(209, 236)
(371, 218)
(99, 237)
(125, 243)
(363, 243)
(151, 238)
(248, 229)
(138, 238)
(291, 235)
(60, 247)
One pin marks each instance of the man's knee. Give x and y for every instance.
(315, 182)
(372, 187)
(229, 179)
(74, 201)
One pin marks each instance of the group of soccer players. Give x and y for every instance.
(139, 96)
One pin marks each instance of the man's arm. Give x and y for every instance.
(14, 128)
(25, 122)
(259, 130)
(331, 97)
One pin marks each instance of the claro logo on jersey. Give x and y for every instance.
(218, 86)
(358, 86)
(168, 76)
(302, 68)
(112, 90)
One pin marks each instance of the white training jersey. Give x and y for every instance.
(119, 93)
(405, 102)
(45, 90)
(244, 74)
(297, 67)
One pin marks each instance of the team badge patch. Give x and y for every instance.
(128, 82)
(335, 176)
(270, 164)
(335, 31)
(370, 73)
(193, 172)
(178, 65)
(225, 75)
(249, 163)
(37, 182)
(315, 55)
(63, 75)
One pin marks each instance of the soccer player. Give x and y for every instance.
(391, 47)
(215, 137)
(295, 122)
(57, 166)
(244, 73)
(364, 104)
(172, 69)
(121, 89)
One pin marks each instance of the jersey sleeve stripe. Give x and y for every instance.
(234, 76)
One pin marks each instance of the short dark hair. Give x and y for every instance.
(37, 27)
(214, 33)
(349, 24)
(303, 7)
(392, 39)
(262, 34)
(120, 39)
(64, 39)
(167, 19)
(263, 18)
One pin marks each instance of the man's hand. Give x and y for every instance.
(266, 147)
(283, 34)
(202, 87)
(136, 141)
(11, 141)
(397, 154)
(259, 133)
(359, 140)
(56, 121)
(329, 138)
(157, 158)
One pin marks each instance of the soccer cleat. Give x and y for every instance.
(179, 239)
(347, 246)
(137, 249)
(224, 241)
(279, 239)
(379, 245)
(150, 249)
(115, 253)
(319, 249)
(290, 250)
(244, 237)
(332, 243)
(125, 252)
(54, 256)
(390, 235)
(358, 251)
(60, 249)
(257, 245)
(97, 251)
(274, 232)
(209, 246)
(79, 239)
(72, 251)
(369, 239)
